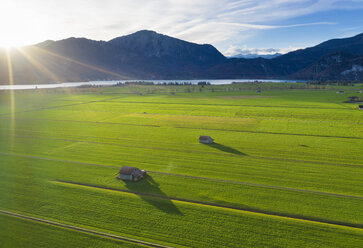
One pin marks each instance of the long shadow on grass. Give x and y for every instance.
(153, 194)
(224, 148)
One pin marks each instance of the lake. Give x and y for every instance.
(114, 82)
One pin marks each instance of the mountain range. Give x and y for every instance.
(150, 55)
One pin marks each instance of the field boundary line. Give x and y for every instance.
(260, 185)
(273, 133)
(55, 159)
(81, 229)
(194, 128)
(182, 150)
(91, 122)
(225, 105)
(189, 176)
(204, 116)
(246, 209)
(60, 106)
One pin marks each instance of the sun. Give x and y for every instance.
(19, 26)
(14, 42)
(9, 45)
(11, 38)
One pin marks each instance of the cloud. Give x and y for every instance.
(234, 50)
(219, 22)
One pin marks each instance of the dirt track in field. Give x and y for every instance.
(81, 229)
(210, 179)
(245, 208)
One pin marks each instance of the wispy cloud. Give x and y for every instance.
(348, 32)
(219, 22)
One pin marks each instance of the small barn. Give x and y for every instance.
(353, 98)
(360, 107)
(206, 139)
(131, 173)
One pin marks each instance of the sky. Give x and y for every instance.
(233, 27)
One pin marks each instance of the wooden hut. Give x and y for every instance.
(131, 173)
(206, 139)
(353, 98)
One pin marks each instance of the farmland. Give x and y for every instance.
(286, 169)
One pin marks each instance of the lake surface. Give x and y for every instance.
(114, 82)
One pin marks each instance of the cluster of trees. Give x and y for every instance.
(163, 83)
(338, 83)
(138, 83)
(203, 83)
(177, 83)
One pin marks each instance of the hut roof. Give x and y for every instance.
(127, 170)
(202, 137)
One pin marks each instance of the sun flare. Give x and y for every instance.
(19, 26)
(14, 38)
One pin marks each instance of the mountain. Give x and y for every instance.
(334, 66)
(297, 60)
(293, 65)
(144, 54)
(149, 44)
(149, 55)
(161, 56)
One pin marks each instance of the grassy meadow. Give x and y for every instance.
(286, 169)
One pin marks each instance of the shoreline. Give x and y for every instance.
(154, 82)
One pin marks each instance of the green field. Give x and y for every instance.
(286, 169)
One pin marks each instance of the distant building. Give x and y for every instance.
(206, 139)
(131, 173)
(360, 107)
(340, 92)
(353, 98)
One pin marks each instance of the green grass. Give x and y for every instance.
(164, 220)
(289, 159)
(23, 233)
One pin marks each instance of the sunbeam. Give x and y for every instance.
(12, 98)
(119, 76)
(39, 66)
